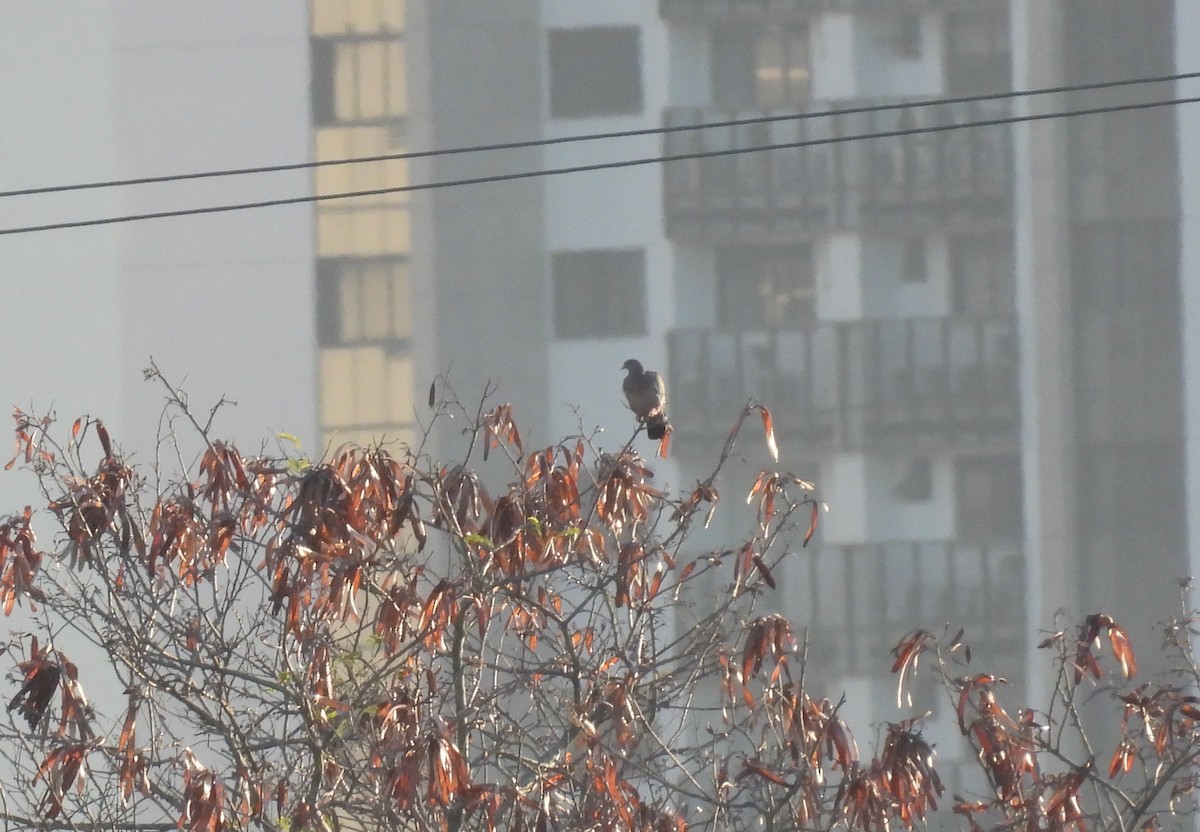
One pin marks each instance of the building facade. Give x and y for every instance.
(973, 339)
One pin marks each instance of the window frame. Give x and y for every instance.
(737, 67)
(742, 268)
(325, 62)
(330, 307)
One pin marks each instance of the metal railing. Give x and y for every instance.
(903, 383)
(857, 601)
(900, 182)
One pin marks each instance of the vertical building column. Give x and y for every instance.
(1044, 324)
(478, 262)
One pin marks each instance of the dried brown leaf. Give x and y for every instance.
(769, 431)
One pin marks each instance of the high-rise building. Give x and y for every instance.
(973, 339)
(363, 295)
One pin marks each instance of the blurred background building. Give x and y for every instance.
(980, 342)
(971, 339)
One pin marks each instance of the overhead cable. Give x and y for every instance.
(587, 137)
(598, 166)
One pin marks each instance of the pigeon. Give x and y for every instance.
(647, 397)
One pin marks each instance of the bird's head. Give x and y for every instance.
(633, 366)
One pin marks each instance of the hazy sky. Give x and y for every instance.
(100, 90)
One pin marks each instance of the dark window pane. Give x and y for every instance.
(599, 293)
(1117, 39)
(1130, 492)
(329, 307)
(1126, 337)
(323, 105)
(595, 71)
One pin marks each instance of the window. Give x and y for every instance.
(983, 275)
(978, 59)
(599, 293)
(759, 287)
(760, 66)
(358, 80)
(362, 301)
(595, 71)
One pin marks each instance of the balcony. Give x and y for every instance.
(900, 183)
(908, 384)
(858, 600)
(773, 9)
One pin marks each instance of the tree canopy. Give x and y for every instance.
(380, 640)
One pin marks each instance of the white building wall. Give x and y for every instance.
(618, 208)
(696, 279)
(689, 66)
(882, 68)
(839, 268)
(1041, 273)
(886, 295)
(891, 517)
(834, 57)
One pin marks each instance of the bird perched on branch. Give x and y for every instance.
(647, 396)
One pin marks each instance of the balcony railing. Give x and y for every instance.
(858, 600)
(915, 382)
(756, 9)
(897, 182)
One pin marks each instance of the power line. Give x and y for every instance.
(626, 163)
(619, 134)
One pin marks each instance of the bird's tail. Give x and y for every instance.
(657, 426)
